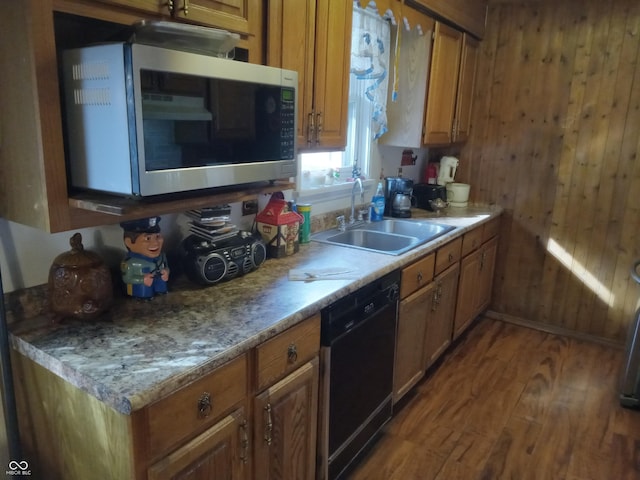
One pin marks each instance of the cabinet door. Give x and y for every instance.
(413, 314)
(291, 30)
(231, 15)
(443, 84)
(439, 329)
(475, 285)
(467, 287)
(33, 178)
(331, 74)
(314, 38)
(469, 15)
(285, 426)
(220, 453)
(485, 274)
(467, 79)
(163, 7)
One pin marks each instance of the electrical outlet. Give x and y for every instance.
(249, 207)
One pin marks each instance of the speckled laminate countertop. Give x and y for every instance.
(142, 351)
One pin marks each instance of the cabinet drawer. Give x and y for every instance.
(197, 406)
(471, 240)
(491, 229)
(287, 351)
(417, 275)
(448, 255)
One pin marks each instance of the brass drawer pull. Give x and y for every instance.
(204, 405)
(420, 277)
(244, 441)
(292, 353)
(269, 424)
(451, 257)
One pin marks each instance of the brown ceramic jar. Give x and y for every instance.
(79, 283)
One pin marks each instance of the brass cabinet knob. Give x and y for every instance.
(204, 405)
(292, 353)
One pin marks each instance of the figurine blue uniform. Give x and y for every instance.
(144, 270)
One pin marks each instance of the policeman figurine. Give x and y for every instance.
(144, 270)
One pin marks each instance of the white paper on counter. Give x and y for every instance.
(312, 274)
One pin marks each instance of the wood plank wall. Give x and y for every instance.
(555, 141)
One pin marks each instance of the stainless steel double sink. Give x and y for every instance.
(390, 236)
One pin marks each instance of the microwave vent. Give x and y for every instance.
(90, 71)
(92, 96)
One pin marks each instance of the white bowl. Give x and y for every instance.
(458, 192)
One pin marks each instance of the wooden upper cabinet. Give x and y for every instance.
(450, 94)
(244, 17)
(443, 83)
(290, 44)
(240, 16)
(466, 82)
(160, 7)
(314, 39)
(236, 15)
(469, 15)
(33, 187)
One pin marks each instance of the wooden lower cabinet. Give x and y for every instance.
(435, 310)
(413, 315)
(425, 327)
(286, 417)
(221, 452)
(487, 269)
(439, 327)
(475, 285)
(416, 298)
(222, 426)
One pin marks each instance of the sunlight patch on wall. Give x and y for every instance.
(580, 272)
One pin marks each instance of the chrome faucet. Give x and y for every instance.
(357, 181)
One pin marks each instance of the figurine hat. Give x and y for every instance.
(142, 225)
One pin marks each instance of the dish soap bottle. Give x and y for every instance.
(377, 204)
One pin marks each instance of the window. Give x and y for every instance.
(368, 83)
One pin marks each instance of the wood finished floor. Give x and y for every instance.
(508, 402)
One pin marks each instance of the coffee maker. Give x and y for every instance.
(398, 193)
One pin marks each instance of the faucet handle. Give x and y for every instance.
(342, 225)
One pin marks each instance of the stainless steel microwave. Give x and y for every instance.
(145, 120)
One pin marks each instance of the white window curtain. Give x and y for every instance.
(370, 44)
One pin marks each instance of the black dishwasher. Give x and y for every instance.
(358, 345)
